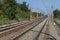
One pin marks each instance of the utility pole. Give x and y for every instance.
(52, 13)
(37, 15)
(30, 14)
(37, 12)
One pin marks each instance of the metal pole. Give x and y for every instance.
(30, 14)
(52, 12)
(37, 12)
(37, 15)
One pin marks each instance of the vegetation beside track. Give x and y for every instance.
(11, 11)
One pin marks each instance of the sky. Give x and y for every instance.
(42, 5)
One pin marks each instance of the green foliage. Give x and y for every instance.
(8, 7)
(34, 14)
(56, 13)
(24, 7)
(11, 10)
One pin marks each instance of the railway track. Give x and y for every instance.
(8, 33)
(49, 32)
(13, 25)
(33, 33)
(44, 31)
(10, 26)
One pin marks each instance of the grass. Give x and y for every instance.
(58, 24)
(5, 20)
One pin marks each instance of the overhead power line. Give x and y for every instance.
(44, 5)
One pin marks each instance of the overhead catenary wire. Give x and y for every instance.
(45, 5)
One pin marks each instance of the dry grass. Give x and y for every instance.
(58, 24)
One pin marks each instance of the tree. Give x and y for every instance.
(9, 8)
(13, 10)
(24, 7)
(56, 13)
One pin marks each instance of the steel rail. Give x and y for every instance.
(26, 31)
(36, 38)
